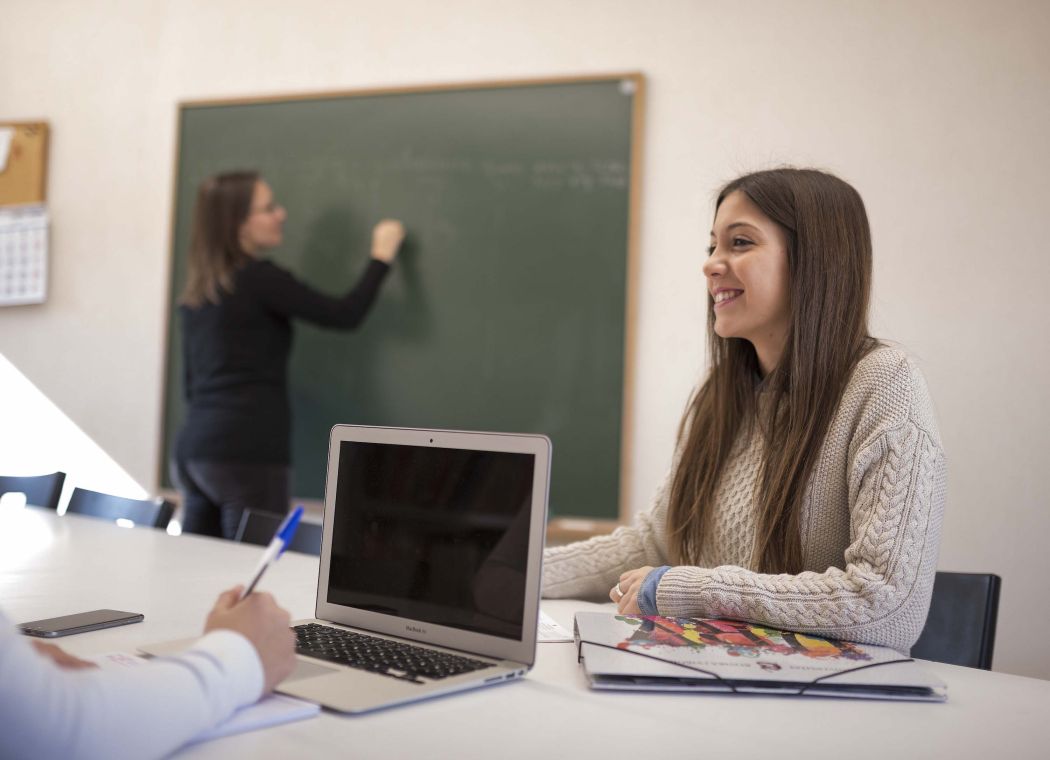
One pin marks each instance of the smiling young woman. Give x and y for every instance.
(808, 483)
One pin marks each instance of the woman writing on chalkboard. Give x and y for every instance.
(808, 483)
(233, 451)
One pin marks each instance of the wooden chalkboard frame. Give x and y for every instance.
(560, 527)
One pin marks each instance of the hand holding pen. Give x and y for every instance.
(264, 624)
(258, 618)
(276, 548)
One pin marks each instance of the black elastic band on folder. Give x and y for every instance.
(815, 681)
(726, 683)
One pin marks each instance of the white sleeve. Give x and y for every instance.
(141, 712)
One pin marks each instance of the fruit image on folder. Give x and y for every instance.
(738, 639)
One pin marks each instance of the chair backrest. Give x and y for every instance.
(40, 490)
(259, 528)
(152, 512)
(960, 628)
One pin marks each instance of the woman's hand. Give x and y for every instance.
(60, 657)
(386, 239)
(625, 592)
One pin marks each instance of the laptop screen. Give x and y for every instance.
(432, 534)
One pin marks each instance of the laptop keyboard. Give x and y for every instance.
(377, 655)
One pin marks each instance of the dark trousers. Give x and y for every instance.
(215, 494)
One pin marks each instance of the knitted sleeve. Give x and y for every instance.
(588, 569)
(880, 594)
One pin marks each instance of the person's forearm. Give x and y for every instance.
(881, 593)
(590, 568)
(134, 712)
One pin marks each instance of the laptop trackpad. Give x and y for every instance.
(307, 669)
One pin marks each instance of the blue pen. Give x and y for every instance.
(276, 548)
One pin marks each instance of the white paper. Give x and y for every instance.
(551, 630)
(116, 660)
(270, 711)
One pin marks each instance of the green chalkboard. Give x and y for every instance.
(507, 309)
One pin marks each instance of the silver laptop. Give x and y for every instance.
(430, 566)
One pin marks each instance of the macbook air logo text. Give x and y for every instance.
(414, 629)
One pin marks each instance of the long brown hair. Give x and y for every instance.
(223, 204)
(829, 265)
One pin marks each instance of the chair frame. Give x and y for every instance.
(40, 490)
(158, 512)
(298, 540)
(924, 648)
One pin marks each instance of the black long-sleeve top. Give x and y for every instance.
(235, 355)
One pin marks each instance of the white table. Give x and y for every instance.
(51, 565)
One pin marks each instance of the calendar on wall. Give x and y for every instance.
(23, 255)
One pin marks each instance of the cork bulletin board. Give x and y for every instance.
(23, 213)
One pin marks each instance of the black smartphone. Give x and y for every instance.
(82, 622)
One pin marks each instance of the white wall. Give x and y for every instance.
(935, 110)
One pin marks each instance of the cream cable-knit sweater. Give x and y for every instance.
(870, 523)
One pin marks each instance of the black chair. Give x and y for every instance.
(960, 629)
(259, 528)
(40, 490)
(152, 512)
